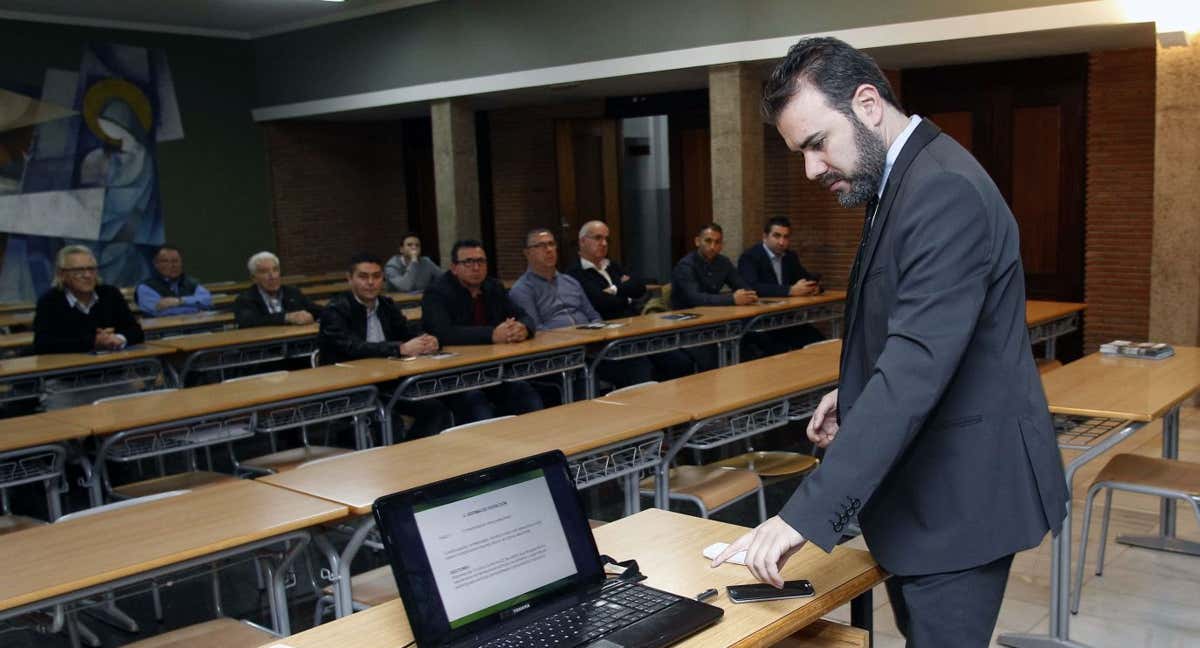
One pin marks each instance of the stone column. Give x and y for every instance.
(455, 173)
(1175, 262)
(736, 131)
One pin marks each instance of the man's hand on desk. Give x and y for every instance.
(744, 297)
(823, 426)
(804, 288)
(767, 548)
(509, 331)
(168, 302)
(420, 345)
(298, 317)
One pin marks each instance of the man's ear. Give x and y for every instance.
(867, 105)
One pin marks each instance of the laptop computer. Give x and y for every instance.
(505, 557)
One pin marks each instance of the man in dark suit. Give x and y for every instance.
(362, 323)
(944, 449)
(268, 302)
(466, 306)
(773, 270)
(79, 313)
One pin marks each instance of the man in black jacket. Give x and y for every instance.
(615, 293)
(268, 302)
(80, 314)
(362, 323)
(465, 306)
(698, 280)
(773, 270)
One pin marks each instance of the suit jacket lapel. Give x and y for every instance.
(925, 132)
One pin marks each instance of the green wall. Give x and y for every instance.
(214, 182)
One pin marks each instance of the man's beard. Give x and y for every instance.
(864, 183)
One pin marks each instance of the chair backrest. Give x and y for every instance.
(146, 499)
(134, 395)
(820, 342)
(464, 426)
(281, 372)
(630, 388)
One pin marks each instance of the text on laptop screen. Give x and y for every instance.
(492, 548)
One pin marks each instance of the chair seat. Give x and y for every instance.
(289, 459)
(771, 463)
(179, 481)
(372, 587)
(714, 486)
(1156, 472)
(224, 632)
(14, 523)
(827, 634)
(1045, 364)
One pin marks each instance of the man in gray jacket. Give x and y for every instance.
(409, 271)
(945, 449)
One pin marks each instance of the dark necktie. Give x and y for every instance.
(852, 288)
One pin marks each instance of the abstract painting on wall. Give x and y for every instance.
(81, 167)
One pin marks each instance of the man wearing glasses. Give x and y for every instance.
(465, 306)
(79, 314)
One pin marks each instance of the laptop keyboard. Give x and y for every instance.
(616, 607)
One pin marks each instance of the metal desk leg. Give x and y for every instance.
(1051, 347)
(277, 592)
(862, 610)
(339, 565)
(1165, 540)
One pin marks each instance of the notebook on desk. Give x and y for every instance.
(505, 557)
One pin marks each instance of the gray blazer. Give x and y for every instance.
(946, 450)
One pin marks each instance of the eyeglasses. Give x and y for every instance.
(473, 262)
(79, 272)
(544, 245)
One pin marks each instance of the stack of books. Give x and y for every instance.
(1152, 350)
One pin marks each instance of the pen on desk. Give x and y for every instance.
(706, 594)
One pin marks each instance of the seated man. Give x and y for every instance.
(362, 323)
(168, 291)
(774, 270)
(614, 293)
(698, 279)
(465, 306)
(409, 271)
(268, 302)
(555, 300)
(79, 313)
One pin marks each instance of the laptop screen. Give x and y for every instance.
(476, 550)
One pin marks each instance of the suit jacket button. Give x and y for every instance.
(838, 527)
(854, 502)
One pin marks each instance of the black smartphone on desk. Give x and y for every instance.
(764, 592)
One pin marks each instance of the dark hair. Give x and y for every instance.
(776, 221)
(830, 65)
(710, 226)
(537, 231)
(464, 243)
(362, 257)
(168, 246)
(408, 235)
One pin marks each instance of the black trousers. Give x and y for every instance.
(951, 610)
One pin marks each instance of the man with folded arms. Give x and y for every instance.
(169, 291)
(268, 302)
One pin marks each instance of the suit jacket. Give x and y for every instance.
(594, 283)
(755, 267)
(58, 328)
(249, 309)
(446, 311)
(946, 450)
(343, 332)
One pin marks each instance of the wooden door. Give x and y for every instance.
(691, 180)
(588, 187)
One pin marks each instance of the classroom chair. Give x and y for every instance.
(25, 466)
(1135, 474)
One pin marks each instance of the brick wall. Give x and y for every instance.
(337, 189)
(1120, 197)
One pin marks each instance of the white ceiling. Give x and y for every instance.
(223, 18)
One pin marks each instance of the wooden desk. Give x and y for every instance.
(26, 377)
(1099, 401)
(17, 307)
(306, 279)
(15, 344)
(1050, 320)
(82, 557)
(16, 320)
(241, 347)
(36, 430)
(34, 449)
(667, 547)
(158, 327)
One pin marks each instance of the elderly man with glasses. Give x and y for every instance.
(80, 314)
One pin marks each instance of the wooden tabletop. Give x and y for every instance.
(202, 341)
(1126, 388)
(16, 319)
(36, 364)
(1040, 312)
(667, 547)
(654, 323)
(152, 409)
(17, 307)
(724, 390)
(68, 556)
(183, 321)
(17, 340)
(35, 430)
(467, 355)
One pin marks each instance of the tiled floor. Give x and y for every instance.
(1145, 598)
